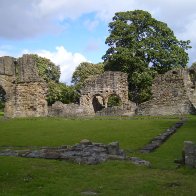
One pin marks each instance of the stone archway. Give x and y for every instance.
(98, 103)
(114, 100)
(104, 85)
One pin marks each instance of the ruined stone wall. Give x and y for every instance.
(127, 109)
(30, 99)
(171, 95)
(104, 85)
(25, 90)
(59, 109)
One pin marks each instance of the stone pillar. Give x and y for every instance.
(190, 154)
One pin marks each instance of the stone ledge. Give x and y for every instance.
(161, 138)
(86, 152)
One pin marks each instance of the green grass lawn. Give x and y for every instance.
(1, 114)
(20, 176)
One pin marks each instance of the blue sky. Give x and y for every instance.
(70, 32)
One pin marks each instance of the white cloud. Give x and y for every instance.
(26, 19)
(67, 61)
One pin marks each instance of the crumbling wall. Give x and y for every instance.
(170, 95)
(102, 87)
(25, 89)
(30, 99)
(127, 109)
(66, 110)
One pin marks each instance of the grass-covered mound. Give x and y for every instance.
(20, 176)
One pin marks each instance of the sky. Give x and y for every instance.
(70, 32)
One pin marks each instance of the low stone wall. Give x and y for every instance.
(85, 152)
(157, 141)
(124, 110)
(59, 109)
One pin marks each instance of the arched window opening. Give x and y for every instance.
(98, 103)
(114, 100)
(174, 72)
(2, 100)
(192, 76)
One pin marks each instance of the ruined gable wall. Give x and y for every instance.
(25, 90)
(170, 95)
(30, 99)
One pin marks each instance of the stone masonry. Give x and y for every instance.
(25, 89)
(66, 110)
(95, 95)
(97, 90)
(189, 154)
(86, 152)
(173, 93)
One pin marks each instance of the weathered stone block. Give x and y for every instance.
(190, 154)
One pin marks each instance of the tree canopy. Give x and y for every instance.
(56, 91)
(85, 70)
(47, 69)
(141, 46)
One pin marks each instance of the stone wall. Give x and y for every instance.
(127, 109)
(98, 89)
(30, 99)
(171, 95)
(189, 154)
(59, 109)
(25, 89)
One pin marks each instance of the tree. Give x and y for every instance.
(47, 69)
(114, 100)
(56, 91)
(141, 46)
(61, 92)
(85, 70)
(193, 66)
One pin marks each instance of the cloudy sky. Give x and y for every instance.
(70, 32)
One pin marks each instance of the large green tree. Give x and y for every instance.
(140, 45)
(85, 70)
(47, 69)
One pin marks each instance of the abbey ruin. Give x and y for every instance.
(172, 93)
(25, 90)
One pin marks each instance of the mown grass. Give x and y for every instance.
(20, 176)
(1, 114)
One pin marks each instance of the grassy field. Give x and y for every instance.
(20, 176)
